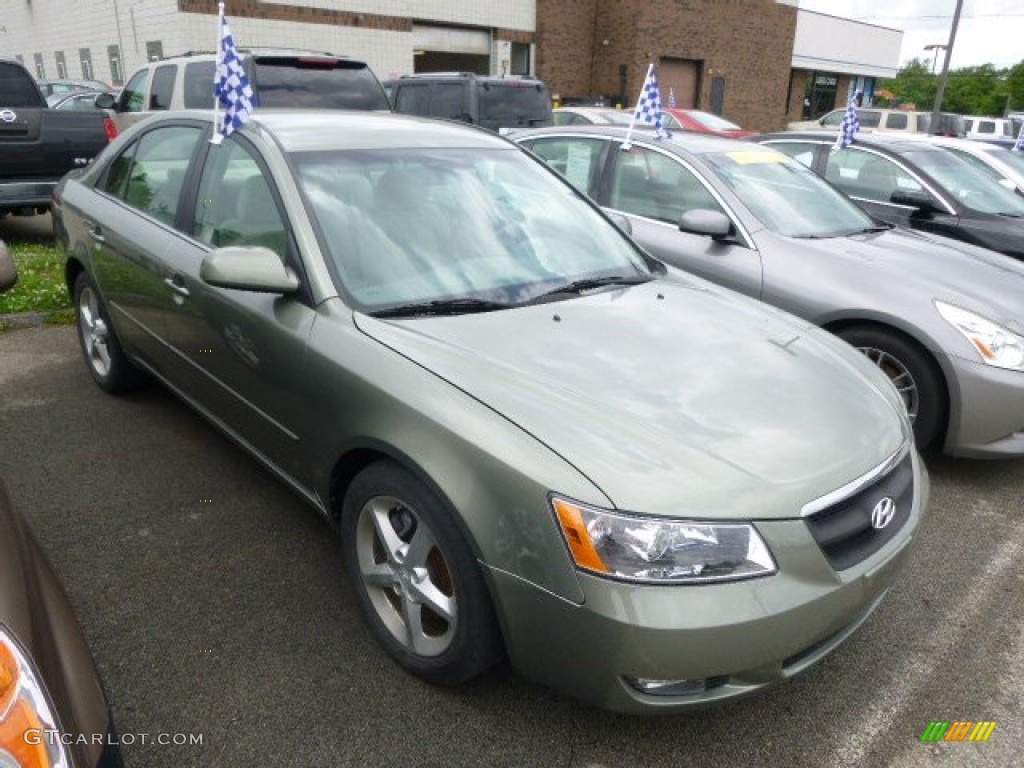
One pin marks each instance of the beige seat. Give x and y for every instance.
(876, 180)
(256, 221)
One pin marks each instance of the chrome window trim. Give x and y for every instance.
(893, 160)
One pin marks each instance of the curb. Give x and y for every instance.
(15, 320)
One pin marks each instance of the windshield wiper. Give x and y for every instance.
(589, 283)
(441, 307)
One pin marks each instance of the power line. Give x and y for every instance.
(939, 16)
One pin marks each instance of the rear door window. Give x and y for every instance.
(157, 171)
(896, 121)
(199, 84)
(163, 86)
(578, 159)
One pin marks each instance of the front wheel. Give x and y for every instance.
(104, 358)
(418, 584)
(912, 372)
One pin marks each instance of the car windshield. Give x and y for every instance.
(966, 184)
(457, 225)
(785, 196)
(616, 117)
(1008, 157)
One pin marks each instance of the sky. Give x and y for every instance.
(990, 31)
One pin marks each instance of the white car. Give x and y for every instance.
(995, 160)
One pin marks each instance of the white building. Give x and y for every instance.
(833, 58)
(107, 39)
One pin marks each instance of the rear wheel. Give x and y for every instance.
(418, 584)
(912, 372)
(103, 355)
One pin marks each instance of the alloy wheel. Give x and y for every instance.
(899, 375)
(406, 576)
(94, 331)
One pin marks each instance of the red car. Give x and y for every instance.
(704, 122)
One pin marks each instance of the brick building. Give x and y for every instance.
(731, 57)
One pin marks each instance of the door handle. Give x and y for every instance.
(177, 284)
(95, 232)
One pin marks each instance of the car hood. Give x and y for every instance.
(922, 265)
(672, 397)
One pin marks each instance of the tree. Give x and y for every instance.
(1015, 85)
(979, 90)
(913, 84)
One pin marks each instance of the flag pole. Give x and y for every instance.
(632, 123)
(217, 136)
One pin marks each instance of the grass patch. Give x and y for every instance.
(40, 286)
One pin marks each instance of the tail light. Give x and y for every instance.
(110, 128)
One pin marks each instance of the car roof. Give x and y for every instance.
(244, 52)
(894, 142)
(310, 130)
(693, 142)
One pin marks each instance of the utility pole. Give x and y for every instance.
(933, 126)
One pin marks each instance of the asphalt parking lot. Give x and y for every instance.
(216, 605)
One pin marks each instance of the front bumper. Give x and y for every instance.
(988, 416)
(740, 636)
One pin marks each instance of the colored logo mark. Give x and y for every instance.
(958, 730)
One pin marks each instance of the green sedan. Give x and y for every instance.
(536, 441)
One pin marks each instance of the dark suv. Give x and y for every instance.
(279, 78)
(491, 102)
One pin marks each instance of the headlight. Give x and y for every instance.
(998, 346)
(661, 550)
(28, 724)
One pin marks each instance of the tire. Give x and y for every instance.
(106, 361)
(914, 375)
(417, 582)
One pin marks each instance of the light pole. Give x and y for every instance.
(933, 126)
(935, 47)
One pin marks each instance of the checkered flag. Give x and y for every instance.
(648, 108)
(1018, 145)
(849, 126)
(230, 83)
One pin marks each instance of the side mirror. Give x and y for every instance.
(622, 222)
(916, 198)
(713, 224)
(105, 101)
(8, 271)
(248, 268)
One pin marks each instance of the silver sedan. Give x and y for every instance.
(942, 318)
